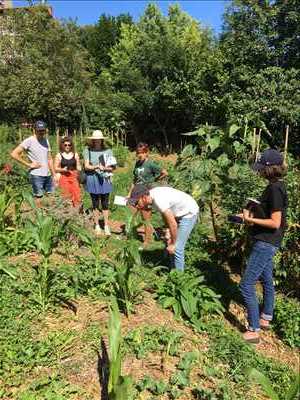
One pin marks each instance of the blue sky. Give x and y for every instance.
(208, 12)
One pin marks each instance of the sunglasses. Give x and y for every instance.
(67, 145)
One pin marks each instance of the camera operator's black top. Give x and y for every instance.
(274, 198)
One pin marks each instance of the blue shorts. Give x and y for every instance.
(41, 185)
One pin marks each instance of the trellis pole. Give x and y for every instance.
(57, 138)
(286, 142)
(258, 144)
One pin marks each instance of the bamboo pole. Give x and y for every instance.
(75, 138)
(81, 137)
(245, 130)
(258, 144)
(286, 142)
(253, 140)
(57, 138)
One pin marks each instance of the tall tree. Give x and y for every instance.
(44, 72)
(98, 39)
(260, 46)
(161, 64)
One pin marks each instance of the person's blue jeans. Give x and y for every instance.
(259, 267)
(184, 229)
(41, 185)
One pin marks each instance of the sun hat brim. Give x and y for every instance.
(96, 138)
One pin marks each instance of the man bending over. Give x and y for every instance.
(179, 210)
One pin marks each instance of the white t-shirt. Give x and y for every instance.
(37, 150)
(179, 203)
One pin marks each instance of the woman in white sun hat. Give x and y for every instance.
(99, 164)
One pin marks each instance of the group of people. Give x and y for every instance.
(178, 209)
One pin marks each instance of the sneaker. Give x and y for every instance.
(98, 230)
(264, 324)
(107, 230)
(251, 337)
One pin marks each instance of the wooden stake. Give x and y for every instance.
(258, 144)
(286, 142)
(254, 140)
(57, 138)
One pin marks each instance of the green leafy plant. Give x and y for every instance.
(265, 383)
(188, 297)
(227, 346)
(286, 321)
(177, 382)
(147, 339)
(181, 378)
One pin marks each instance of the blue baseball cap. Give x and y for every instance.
(40, 126)
(137, 192)
(267, 158)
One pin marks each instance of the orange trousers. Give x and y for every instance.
(69, 185)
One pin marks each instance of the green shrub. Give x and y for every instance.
(286, 321)
(122, 154)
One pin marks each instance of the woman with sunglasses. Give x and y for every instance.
(67, 164)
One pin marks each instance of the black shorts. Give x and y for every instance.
(96, 201)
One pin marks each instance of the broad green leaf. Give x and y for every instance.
(294, 389)
(213, 143)
(233, 129)
(264, 382)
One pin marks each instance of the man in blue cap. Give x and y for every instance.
(40, 163)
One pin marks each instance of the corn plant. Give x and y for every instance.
(126, 287)
(266, 385)
(95, 245)
(119, 387)
(45, 232)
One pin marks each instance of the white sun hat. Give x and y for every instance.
(97, 135)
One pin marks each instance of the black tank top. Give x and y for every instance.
(70, 164)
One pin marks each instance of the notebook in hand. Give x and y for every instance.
(256, 208)
(235, 219)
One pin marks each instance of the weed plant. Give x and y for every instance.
(265, 383)
(22, 348)
(52, 387)
(286, 321)
(180, 380)
(142, 341)
(229, 349)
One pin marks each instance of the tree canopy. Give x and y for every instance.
(158, 77)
